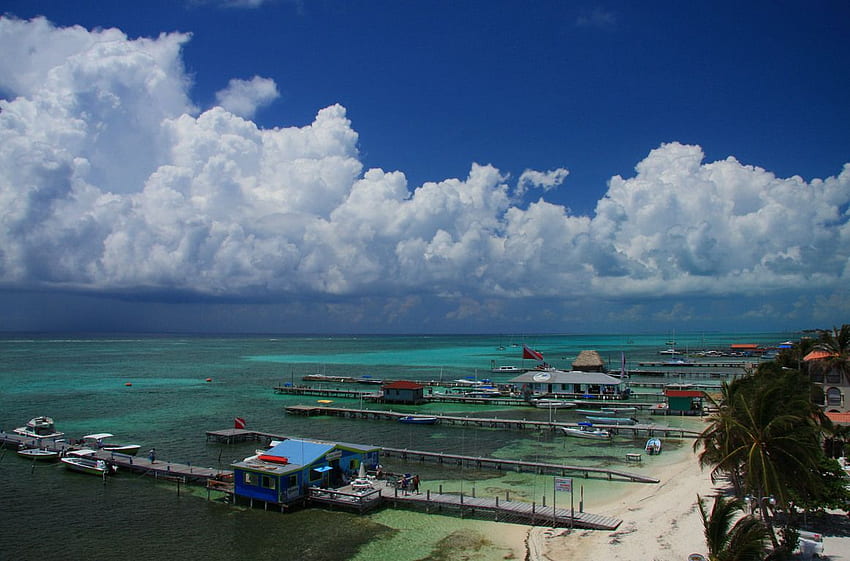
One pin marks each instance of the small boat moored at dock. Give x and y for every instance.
(618, 411)
(553, 404)
(417, 420)
(612, 420)
(39, 428)
(39, 454)
(84, 462)
(653, 446)
(100, 438)
(587, 430)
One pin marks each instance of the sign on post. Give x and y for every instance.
(564, 484)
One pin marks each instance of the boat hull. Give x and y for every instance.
(411, 420)
(87, 465)
(653, 446)
(612, 420)
(39, 454)
(590, 434)
(128, 449)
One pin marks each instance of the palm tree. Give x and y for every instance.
(765, 438)
(746, 540)
(836, 342)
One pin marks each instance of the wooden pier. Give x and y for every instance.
(500, 510)
(487, 422)
(480, 462)
(500, 464)
(160, 469)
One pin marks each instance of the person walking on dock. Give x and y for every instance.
(152, 455)
(415, 483)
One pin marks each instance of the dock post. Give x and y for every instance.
(441, 488)
(508, 495)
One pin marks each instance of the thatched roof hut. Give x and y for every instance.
(589, 361)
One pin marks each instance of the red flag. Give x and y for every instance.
(531, 353)
(239, 423)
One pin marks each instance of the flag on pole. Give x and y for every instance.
(531, 353)
(239, 423)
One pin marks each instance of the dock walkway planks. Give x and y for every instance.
(485, 422)
(518, 465)
(504, 510)
(484, 462)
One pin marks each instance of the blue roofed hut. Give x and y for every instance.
(283, 474)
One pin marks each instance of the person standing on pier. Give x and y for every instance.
(152, 455)
(415, 482)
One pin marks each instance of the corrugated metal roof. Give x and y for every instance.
(301, 452)
(562, 377)
(404, 385)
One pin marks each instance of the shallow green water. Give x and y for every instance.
(82, 383)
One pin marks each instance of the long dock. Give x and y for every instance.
(486, 422)
(160, 469)
(239, 435)
(516, 465)
(502, 510)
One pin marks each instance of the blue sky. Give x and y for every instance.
(432, 166)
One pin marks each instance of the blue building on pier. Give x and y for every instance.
(284, 473)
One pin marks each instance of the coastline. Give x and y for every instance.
(659, 521)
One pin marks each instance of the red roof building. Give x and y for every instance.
(404, 392)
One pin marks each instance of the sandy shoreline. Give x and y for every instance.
(659, 521)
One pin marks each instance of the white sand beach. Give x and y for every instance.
(660, 522)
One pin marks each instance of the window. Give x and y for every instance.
(249, 478)
(293, 481)
(833, 396)
(268, 482)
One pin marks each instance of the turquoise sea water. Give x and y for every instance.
(81, 381)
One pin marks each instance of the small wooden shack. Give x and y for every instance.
(684, 402)
(404, 392)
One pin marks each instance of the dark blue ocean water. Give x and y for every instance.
(82, 382)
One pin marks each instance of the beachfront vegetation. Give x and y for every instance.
(767, 436)
(745, 540)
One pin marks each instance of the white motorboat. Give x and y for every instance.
(92, 466)
(85, 460)
(100, 438)
(587, 430)
(553, 404)
(618, 411)
(40, 454)
(653, 446)
(39, 428)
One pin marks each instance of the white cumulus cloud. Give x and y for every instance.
(244, 97)
(111, 181)
(546, 180)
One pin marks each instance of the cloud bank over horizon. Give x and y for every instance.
(113, 181)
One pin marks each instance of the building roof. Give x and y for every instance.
(818, 355)
(587, 360)
(742, 346)
(403, 385)
(300, 452)
(683, 393)
(562, 377)
(840, 418)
